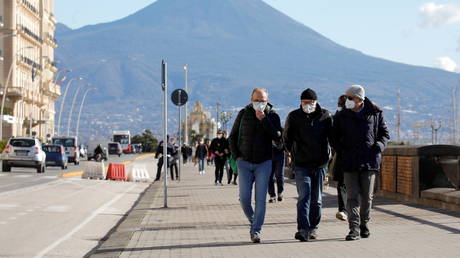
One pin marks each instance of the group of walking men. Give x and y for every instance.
(357, 133)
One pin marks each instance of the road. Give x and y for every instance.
(49, 216)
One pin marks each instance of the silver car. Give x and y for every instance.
(24, 152)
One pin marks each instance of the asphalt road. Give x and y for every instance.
(20, 178)
(49, 216)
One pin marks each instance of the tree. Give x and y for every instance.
(147, 139)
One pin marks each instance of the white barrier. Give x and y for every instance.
(94, 170)
(138, 174)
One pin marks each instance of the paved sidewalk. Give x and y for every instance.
(206, 221)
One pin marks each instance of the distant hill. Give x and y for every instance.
(231, 46)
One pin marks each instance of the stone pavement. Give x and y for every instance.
(204, 220)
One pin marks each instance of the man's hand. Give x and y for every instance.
(260, 115)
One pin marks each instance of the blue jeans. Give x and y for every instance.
(309, 184)
(200, 164)
(250, 174)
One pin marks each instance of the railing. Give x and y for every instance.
(30, 33)
(31, 62)
(30, 6)
(53, 39)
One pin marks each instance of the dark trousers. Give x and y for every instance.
(276, 176)
(231, 175)
(360, 193)
(341, 195)
(171, 169)
(220, 163)
(160, 165)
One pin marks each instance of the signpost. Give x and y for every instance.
(179, 97)
(164, 86)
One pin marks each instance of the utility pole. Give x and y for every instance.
(186, 114)
(164, 86)
(454, 115)
(217, 115)
(434, 131)
(398, 119)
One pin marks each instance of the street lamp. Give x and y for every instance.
(73, 104)
(59, 73)
(6, 88)
(81, 108)
(63, 100)
(186, 114)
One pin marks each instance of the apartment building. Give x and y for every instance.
(27, 46)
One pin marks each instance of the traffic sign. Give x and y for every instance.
(179, 97)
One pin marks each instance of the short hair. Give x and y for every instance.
(259, 89)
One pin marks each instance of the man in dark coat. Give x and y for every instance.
(308, 136)
(219, 147)
(255, 127)
(361, 136)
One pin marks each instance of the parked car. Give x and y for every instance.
(115, 149)
(71, 147)
(24, 152)
(55, 156)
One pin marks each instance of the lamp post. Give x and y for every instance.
(81, 108)
(6, 88)
(73, 104)
(59, 73)
(186, 114)
(62, 102)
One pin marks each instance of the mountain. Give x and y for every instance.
(231, 47)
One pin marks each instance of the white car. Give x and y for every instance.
(24, 152)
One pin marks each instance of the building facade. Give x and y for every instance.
(200, 123)
(28, 60)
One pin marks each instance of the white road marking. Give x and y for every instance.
(22, 176)
(8, 206)
(2, 174)
(81, 225)
(12, 218)
(59, 209)
(22, 213)
(3, 222)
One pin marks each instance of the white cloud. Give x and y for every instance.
(435, 15)
(446, 63)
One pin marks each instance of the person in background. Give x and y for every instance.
(159, 156)
(337, 172)
(184, 152)
(308, 137)
(200, 155)
(255, 127)
(361, 135)
(277, 172)
(219, 147)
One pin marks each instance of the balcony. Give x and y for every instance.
(31, 62)
(29, 33)
(30, 6)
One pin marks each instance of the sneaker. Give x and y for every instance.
(341, 215)
(313, 234)
(302, 236)
(255, 238)
(272, 199)
(364, 231)
(280, 197)
(353, 235)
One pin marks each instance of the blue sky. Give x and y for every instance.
(410, 31)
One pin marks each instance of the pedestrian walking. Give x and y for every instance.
(159, 156)
(308, 136)
(219, 147)
(184, 152)
(200, 155)
(337, 172)
(255, 127)
(361, 135)
(173, 159)
(277, 172)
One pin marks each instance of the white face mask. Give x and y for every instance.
(219, 136)
(350, 104)
(309, 108)
(259, 105)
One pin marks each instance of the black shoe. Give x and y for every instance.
(364, 231)
(313, 235)
(353, 235)
(302, 236)
(272, 199)
(255, 238)
(280, 197)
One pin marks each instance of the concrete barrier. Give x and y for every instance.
(117, 172)
(94, 170)
(138, 174)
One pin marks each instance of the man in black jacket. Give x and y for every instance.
(361, 135)
(219, 147)
(307, 136)
(255, 127)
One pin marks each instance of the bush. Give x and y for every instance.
(2, 145)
